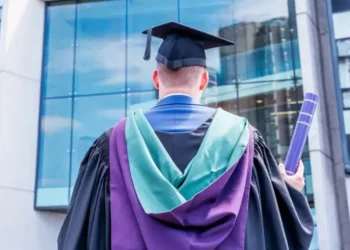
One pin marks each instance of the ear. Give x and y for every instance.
(204, 81)
(155, 78)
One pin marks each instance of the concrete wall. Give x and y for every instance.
(20, 72)
(319, 150)
(318, 72)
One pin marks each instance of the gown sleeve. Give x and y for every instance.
(87, 223)
(279, 216)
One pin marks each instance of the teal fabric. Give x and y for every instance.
(159, 184)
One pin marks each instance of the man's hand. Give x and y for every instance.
(297, 180)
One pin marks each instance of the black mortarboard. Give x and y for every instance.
(182, 46)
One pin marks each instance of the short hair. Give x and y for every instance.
(182, 77)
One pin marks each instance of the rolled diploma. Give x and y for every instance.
(300, 133)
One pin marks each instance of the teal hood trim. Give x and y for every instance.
(159, 184)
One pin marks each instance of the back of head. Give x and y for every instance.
(186, 78)
(181, 58)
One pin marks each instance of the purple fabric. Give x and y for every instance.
(213, 219)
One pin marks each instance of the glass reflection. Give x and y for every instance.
(264, 42)
(308, 178)
(100, 47)
(101, 42)
(344, 72)
(344, 75)
(143, 14)
(95, 114)
(141, 100)
(59, 51)
(344, 63)
(344, 48)
(346, 99)
(54, 158)
(340, 6)
(224, 97)
(210, 17)
(346, 114)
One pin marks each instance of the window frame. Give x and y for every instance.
(63, 208)
(340, 105)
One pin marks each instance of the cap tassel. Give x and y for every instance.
(147, 55)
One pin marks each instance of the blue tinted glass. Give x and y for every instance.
(307, 165)
(143, 100)
(344, 75)
(340, 5)
(225, 96)
(308, 185)
(93, 115)
(267, 105)
(101, 42)
(214, 17)
(54, 159)
(346, 114)
(264, 44)
(59, 51)
(100, 51)
(143, 14)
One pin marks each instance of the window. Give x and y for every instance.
(94, 74)
(83, 90)
(344, 75)
(340, 5)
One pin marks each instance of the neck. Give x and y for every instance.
(163, 94)
(176, 94)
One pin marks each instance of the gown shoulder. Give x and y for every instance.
(87, 223)
(279, 216)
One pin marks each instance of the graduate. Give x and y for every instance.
(183, 176)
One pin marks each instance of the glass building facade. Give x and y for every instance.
(94, 74)
(341, 17)
(344, 73)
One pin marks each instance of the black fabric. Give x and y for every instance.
(182, 155)
(279, 217)
(182, 46)
(207, 40)
(87, 224)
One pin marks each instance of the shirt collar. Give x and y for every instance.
(177, 94)
(177, 98)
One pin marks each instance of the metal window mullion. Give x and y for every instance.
(126, 92)
(72, 104)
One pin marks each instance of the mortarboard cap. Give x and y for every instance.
(182, 46)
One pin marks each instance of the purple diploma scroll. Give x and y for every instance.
(300, 133)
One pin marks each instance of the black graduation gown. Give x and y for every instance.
(279, 217)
